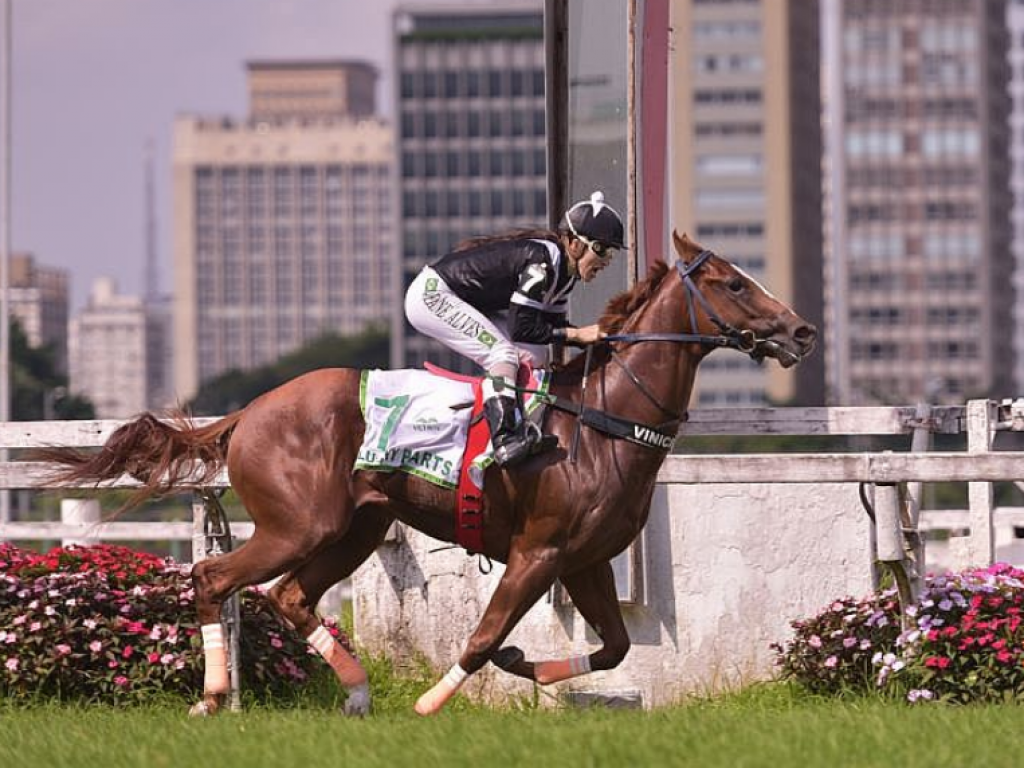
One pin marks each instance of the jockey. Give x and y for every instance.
(500, 299)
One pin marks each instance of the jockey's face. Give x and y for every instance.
(592, 259)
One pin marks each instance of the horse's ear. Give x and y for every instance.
(681, 242)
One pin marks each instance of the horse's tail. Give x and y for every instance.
(159, 454)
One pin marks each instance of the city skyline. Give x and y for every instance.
(93, 84)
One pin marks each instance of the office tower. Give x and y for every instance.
(921, 290)
(283, 91)
(470, 105)
(282, 221)
(746, 169)
(107, 352)
(1015, 23)
(39, 300)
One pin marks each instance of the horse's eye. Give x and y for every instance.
(736, 284)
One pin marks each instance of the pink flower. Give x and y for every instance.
(63, 649)
(35, 626)
(814, 641)
(153, 658)
(831, 661)
(121, 680)
(276, 642)
(95, 646)
(89, 624)
(11, 664)
(127, 652)
(167, 658)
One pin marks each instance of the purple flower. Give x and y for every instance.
(831, 661)
(849, 642)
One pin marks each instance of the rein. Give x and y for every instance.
(656, 437)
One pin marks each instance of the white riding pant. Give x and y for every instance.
(434, 310)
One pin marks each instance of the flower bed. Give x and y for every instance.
(966, 645)
(105, 623)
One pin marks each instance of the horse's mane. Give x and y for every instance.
(622, 307)
(619, 309)
(516, 234)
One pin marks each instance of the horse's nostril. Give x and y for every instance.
(806, 334)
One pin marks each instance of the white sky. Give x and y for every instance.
(95, 79)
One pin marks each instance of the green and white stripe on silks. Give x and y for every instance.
(540, 380)
(410, 424)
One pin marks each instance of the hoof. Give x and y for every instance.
(507, 657)
(208, 706)
(358, 702)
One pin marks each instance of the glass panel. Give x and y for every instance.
(598, 129)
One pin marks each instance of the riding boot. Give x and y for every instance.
(512, 436)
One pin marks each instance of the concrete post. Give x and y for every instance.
(83, 512)
(981, 546)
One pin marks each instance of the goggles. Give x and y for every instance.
(602, 251)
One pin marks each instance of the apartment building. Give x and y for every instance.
(283, 221)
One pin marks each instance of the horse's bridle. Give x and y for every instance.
(728, 336)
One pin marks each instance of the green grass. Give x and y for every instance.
(763, 726)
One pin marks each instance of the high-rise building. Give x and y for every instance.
(39, 299)
(284, 91)
(472, 153)
(920, 262)
(1015, 24)
(107, 352)
(283, 223)
(746, 168)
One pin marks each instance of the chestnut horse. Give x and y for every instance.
(290, 453)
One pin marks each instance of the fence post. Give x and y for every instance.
(920, 442)
(83, 512)
(211, 536)
(981, 542)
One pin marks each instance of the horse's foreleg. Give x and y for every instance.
(527, 576)
(593, 593)
(296, 595)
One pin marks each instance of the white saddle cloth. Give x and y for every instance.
(411, 426)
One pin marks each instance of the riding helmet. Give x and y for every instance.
(596, 220)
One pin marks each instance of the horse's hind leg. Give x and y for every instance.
(594, 595)
(296, 595)
(263, 557)
(527, 576)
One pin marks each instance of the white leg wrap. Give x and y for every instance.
(322, 641)
(215, 658)
(432, 701)
(579, 665)
(456, 677)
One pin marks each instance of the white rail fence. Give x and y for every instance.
(979, 465)
(896, 478)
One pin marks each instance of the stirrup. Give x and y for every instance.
(520, 447)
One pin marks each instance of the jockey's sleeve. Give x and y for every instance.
(532, 326)
(536, 309)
